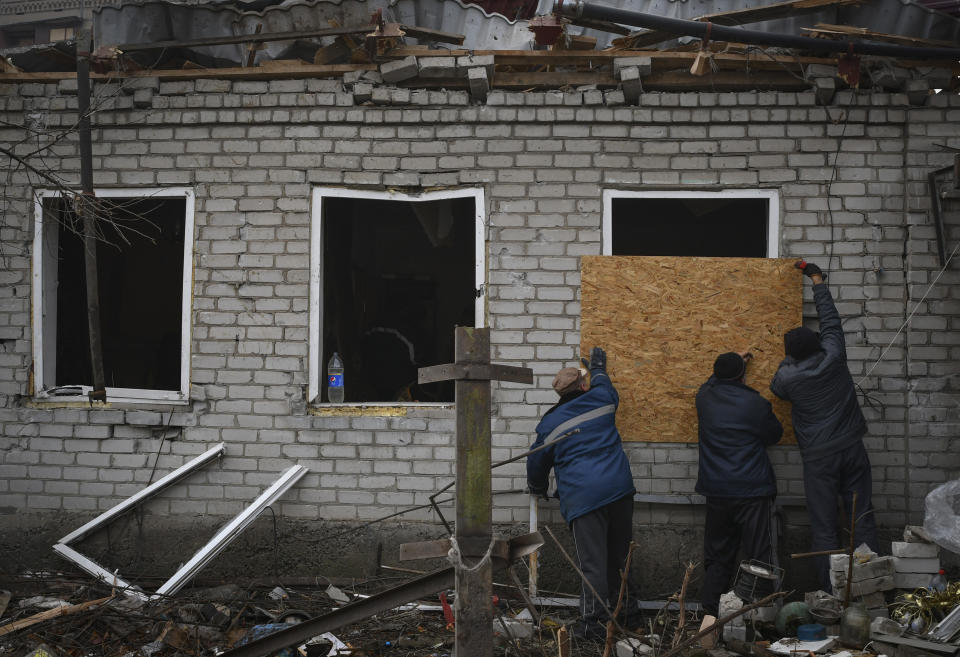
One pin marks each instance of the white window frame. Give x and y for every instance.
(772, 196)
(43, 258)
(316, 271)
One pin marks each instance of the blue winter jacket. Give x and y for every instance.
(590, 467)
(736, 426)
(826, 415)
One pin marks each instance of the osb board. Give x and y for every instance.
(664, 320)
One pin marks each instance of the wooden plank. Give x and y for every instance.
(426, 34)
(56, 612)
(663, 321)
(843, 31)
(737, 17)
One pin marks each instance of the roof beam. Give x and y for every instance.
(737, 17)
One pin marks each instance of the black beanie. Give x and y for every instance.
(729, 366)
(800, 342)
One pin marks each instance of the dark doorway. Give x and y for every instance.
(140, 271)
(709, 227)
(398, 276)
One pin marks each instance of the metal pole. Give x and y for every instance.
(86, 210)
(707, 30)
(474, 607)
(534, 519)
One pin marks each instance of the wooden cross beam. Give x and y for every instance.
(472, 373)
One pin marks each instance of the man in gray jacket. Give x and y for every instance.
(829, 425)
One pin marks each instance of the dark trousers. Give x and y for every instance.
(732, 522)
(824, 480)
(602, 538)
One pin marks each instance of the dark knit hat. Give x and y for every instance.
(729, 366)
(801, 342)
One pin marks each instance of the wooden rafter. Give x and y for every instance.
(844, 31)
(737, 17)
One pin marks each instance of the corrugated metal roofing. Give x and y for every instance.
(150, 21)
(156, 20)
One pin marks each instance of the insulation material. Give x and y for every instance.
(663, 321)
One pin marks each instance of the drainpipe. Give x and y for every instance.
(707, 30)
(86, 203)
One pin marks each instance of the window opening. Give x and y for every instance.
(141, 259)
(398, 275)
(718, 224)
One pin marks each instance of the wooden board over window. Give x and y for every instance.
(663, 321)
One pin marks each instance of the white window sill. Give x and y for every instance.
(74, 395)
(374, 408)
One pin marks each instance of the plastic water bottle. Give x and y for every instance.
(938, 582)
(335, 379)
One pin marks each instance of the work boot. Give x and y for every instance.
(589, 629)
(708, 641)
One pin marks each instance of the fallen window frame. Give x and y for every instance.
(204, 555)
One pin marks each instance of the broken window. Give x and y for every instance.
(144, 251)
(394, 275)
(733, 223)
(61, 33)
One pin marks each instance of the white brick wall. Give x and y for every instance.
(252, 151)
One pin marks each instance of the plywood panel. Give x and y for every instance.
(663, 321)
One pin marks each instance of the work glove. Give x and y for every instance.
(598, 359)
(538, 492)
(808, 268)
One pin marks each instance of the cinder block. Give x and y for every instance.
(630, 84)
(862, 588)
(914, 550)
(438, 67)
(821, 71)
(633, 647)
(402, 69)
(362, 92)
(467, 62)
(878, 567)
(918, 91)
(479, 84)
(927, 566)
(644, 65)
(825, 89)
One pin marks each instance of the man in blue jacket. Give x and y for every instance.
(736, 425)
(594, 484)
(829, 425)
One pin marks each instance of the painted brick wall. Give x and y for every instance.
(252, 151)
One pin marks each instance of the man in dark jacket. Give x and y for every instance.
(594, 483)
(829, 426)
(736, 425)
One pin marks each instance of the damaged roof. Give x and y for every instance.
(167, 34)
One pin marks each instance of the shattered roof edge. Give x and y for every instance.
(289, 5)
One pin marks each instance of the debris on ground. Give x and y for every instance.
(55, 614)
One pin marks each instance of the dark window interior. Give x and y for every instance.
(398, 277)
(711, 227)
(140, 272)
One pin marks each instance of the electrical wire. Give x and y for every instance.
(912, 313)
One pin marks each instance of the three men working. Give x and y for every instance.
(595, 486)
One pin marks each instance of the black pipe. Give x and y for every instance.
(703, 29)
